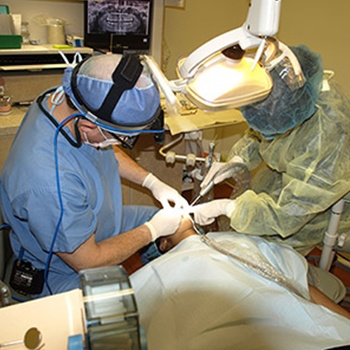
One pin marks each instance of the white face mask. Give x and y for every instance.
(103, 144)
(57, 98)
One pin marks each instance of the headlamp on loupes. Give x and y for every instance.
(116, 93)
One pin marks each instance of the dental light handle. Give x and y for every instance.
(174, 105)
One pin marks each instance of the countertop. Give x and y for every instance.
(9, 123)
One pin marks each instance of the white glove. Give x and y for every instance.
(164, 193)
(205, 214)
(164, 223)
(214, 172)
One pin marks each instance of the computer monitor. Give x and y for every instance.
(118, 25)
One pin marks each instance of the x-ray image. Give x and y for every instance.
(118, 16)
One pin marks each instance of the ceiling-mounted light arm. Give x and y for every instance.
(262, 22)
(263, 17)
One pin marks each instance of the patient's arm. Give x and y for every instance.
(318, 297)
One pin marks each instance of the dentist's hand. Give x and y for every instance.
(217, 171)
(164, 193)
(164, 223)
(205, 214)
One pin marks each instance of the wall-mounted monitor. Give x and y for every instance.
(118, 25)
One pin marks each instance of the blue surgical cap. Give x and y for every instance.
(285, 108)
(137, 107)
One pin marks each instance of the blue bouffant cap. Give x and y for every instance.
(285, 108)
(114, 91)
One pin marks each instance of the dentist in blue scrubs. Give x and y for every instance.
(61, 183)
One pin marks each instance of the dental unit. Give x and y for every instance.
(227, 72)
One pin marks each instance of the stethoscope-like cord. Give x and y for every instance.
(270, 275)
(256, 267)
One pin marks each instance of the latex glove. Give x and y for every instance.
(164, 193)
(205, 214)
(164, 223)
(214, 172)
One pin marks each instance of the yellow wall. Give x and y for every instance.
(200, 20)
(324, 26)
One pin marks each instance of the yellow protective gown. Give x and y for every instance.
(306, 171)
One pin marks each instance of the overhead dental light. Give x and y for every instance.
(220, 74)
(227, 80)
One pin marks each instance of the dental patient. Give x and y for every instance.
(197, 297)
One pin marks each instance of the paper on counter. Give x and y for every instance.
(196, 119)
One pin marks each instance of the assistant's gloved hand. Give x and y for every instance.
(217, 171)
(205, 214)
(164, 223)
(164, 193)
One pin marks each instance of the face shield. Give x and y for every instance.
(292, 99)
(117, 94)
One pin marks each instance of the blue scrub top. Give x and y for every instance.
(90, 189)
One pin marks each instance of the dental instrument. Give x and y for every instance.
(227, 171)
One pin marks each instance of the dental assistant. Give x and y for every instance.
(82, 222)
(299, 135)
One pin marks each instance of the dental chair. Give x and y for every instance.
(8, 295)
(332, 241)
(5, 258)
(322, 277)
